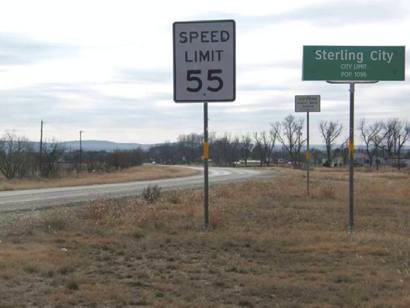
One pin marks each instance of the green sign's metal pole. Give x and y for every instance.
(205, 158)
(351, 147)
(307, 155)
(40, 163)
(351, 158)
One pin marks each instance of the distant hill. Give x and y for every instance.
(110, 146)
(99, 145)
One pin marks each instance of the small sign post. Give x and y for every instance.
(204, 71)
(307, 103)
(352, 65)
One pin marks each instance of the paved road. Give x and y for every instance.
(11, 201)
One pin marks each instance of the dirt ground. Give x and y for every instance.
(269, 246)
(144, 172)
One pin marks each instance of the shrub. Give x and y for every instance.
(151, 193)
(56, 219)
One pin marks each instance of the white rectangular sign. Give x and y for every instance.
(204, 61)
(307, 103)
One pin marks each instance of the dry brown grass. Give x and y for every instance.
(144, 172)
(269, 246)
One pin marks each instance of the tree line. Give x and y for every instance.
(284, 142)
(384, 140)
(19, 159)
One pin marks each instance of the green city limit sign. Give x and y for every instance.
(353, 63)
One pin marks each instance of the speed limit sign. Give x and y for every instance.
(204, 61)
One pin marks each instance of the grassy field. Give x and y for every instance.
(144, 172)
(269, 246)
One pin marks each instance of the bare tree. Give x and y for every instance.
(119, 160)
(289, 132)
(403, 137)
(190, 147)
(268, 144)
(259, 148)
(396, 135)
(52, 154)
(225, 150)
(378, 144)
(330, 132)
(389, 134)
(16, 156)
(273, 137)
(246, 148)
(372, 136)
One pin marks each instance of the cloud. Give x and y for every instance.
(343, 12)
(285, 64)
(144, 76)
(81, 106)
(18, 49)
(119, 84)
(327, 13)
(251, 87)
(66, 108)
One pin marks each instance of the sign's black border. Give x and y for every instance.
(234, 59)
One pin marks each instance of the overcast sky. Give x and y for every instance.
(105, 67)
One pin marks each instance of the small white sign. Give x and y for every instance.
(204, 61)
(307, 103)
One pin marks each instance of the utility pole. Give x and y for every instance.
(81, 148)
(40, 161)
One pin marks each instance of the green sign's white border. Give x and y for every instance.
(353, 63)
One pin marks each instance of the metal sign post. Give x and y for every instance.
(351, 149)
(204, 71)
(307, 155)
(205, 158)
(307, 103)
(351, 158)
